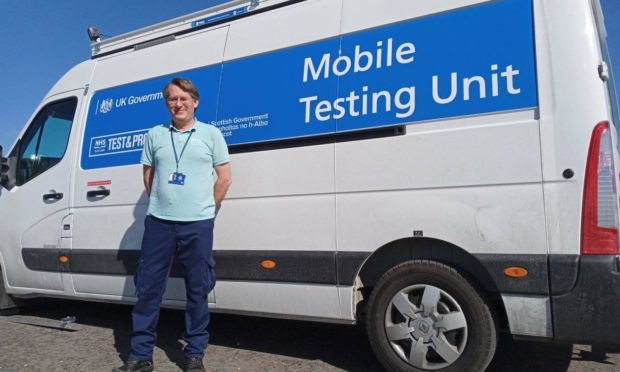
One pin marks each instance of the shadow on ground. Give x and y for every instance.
(340, 346)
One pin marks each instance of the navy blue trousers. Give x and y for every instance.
(192, 243)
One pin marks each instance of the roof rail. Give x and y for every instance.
(167, 30)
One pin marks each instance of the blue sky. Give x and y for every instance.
(41, 40)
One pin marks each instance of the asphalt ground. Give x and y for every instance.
(99, 339)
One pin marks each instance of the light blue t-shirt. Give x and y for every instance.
(205, 149)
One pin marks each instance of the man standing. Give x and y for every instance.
(179, 160)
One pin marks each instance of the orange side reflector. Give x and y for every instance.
(63, 259)
(268, 264)
(515, 272)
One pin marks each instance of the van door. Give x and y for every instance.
(281, 207)
(37, 206)
(110, 202)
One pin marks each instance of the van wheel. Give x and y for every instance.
(425, 316)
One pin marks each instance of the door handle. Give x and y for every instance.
(96, 193)
(52, 196)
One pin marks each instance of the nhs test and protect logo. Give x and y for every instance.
(117, 143)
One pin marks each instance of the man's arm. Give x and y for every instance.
(147, 175)
(224, 179)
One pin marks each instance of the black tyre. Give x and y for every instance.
(425, 316)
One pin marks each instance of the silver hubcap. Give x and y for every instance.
(426, 327)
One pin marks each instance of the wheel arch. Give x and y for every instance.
(425, 248)
(3, 273)
(7, 303)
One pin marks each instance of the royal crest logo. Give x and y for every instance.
(106, 105)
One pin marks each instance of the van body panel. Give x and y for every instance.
(297, 300)
(281, 173)
(489, 197)
(309, 218)
(202, 19)
(362, 14)
(588, 312)
(529, 315)
(266, 29)
(567, 114)
(418, 160)
(477, 222)
(77, 77)
(133, 66)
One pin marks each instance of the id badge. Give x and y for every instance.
(176, 178)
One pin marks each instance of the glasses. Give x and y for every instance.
(184, 100)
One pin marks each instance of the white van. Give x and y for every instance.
(440, 169)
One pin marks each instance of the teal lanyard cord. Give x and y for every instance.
(178, 158)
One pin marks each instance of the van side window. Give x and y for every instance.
(45, 141)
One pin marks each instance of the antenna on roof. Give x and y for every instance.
(93, 34)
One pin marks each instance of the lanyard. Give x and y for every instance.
(178, 158)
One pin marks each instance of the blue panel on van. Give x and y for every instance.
(471, 61)
(259, 97)
(119, 117)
